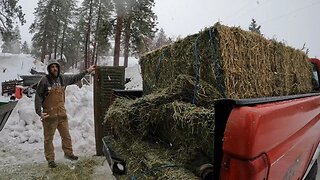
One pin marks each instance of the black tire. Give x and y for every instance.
(312, 175)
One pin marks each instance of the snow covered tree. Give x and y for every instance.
(25, 48)
(136, 19)
(161, 39)
(7, 39)
(9, 11)
(35, 50)
(16, 43)
(254, 27)
(72, 46)
(12, 41)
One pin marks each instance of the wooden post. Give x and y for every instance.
(105, 80)
(97, 112)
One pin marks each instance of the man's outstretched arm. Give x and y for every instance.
(76, 78)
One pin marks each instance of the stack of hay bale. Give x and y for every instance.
(169, 132)
(245, 64)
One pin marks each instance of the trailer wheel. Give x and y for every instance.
(312, 175)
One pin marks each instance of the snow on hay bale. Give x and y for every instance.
(241, 65)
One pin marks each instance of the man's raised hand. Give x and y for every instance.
(91, 69)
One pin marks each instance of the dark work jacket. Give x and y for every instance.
(44, 86)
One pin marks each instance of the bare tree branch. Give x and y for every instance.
(3, 23)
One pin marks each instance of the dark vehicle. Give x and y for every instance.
(6, 109)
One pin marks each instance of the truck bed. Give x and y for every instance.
(266, 138)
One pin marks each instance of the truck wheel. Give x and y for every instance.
(312, 175)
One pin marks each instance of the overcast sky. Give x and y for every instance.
(294, 21)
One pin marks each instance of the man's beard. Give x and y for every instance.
(55, 74)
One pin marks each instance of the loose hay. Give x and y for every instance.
(83, 170)
(150, 161)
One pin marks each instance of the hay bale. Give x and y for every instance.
(177, 124)
(167, 116)
(247, 65)
(166, 119)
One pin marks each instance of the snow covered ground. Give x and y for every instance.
(13, 65)
(134, 73)
(21, 140)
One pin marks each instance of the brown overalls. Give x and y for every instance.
(54, 106)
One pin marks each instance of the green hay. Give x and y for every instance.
(251, 66)
(167, 118)
(178, 124)
(168, 111)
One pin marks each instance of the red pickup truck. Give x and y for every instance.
(265, 138)
(268, 138)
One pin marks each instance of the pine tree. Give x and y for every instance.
(52, 18)
(7, 39)
(12, 41)
(144, 23)
(95, 28)
(137, 21)
(161, 39)
(25, 48)
(67, 14)
(254, 27)
(72, 46)
(10, 10)
(120, 9)
(35, 50)
(16, 43)
(103, 30)
(41, 27)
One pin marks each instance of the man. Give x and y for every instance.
(49, 105)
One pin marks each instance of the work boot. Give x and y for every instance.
(52, 164)
(71, 157)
